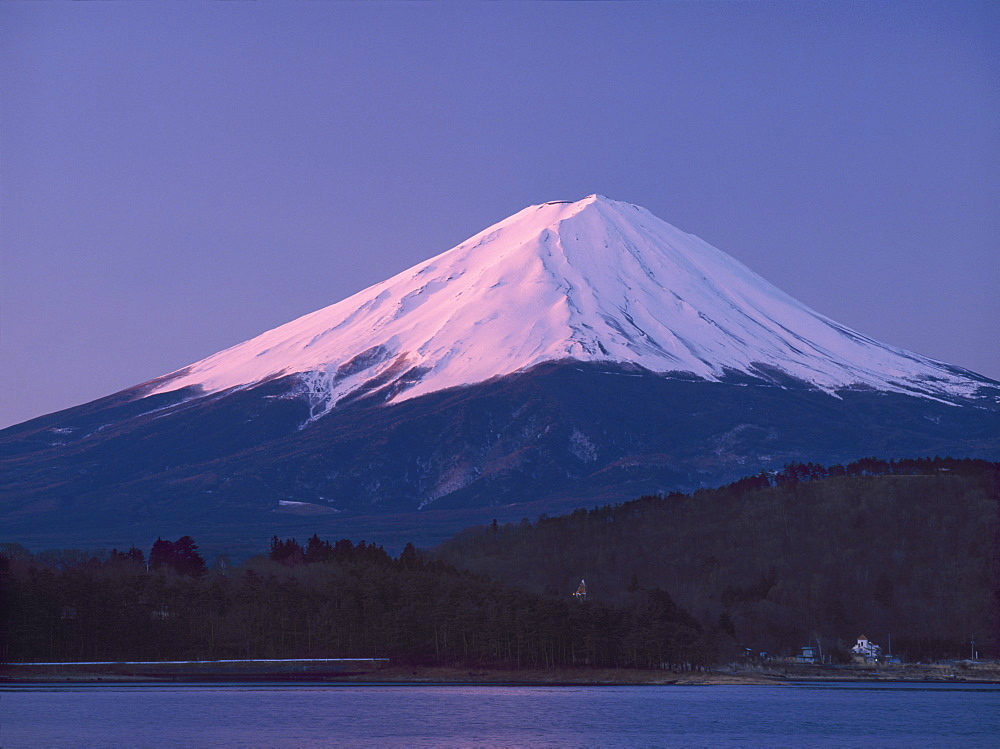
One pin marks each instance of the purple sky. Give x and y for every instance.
(176, 178)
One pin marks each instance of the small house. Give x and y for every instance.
(809, 654)
(866, 651)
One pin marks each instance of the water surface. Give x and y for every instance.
(312, 715)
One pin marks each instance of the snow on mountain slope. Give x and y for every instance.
(592, 280)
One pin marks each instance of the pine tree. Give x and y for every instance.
(187, 560)
(162, 554)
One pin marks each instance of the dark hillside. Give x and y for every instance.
(563, 435)
(912, 555)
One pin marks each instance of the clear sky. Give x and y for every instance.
(178, 177)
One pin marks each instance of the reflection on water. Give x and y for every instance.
(463, 715)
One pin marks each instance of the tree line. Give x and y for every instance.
(794, 473)
(323, 600)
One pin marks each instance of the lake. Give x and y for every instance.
(311, 715)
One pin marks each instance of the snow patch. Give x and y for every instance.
(582, 447)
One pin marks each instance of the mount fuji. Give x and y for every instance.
(573, 352)
(593, 281)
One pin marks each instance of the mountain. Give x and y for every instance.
(574, 352)
(595, 281)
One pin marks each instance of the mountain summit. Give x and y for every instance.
(594, 280)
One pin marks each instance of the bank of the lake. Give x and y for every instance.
(957, 673)
(366, 671)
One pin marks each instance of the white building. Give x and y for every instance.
(867, 649)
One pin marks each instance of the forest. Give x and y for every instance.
(322, 600)
(906, 550)
(809, 554)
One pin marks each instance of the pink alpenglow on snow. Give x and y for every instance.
(594, 280)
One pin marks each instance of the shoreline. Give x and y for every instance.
(957, 673)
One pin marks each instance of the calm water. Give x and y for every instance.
(304, 715)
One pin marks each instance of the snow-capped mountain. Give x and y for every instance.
(573, 353)
(594, 280)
